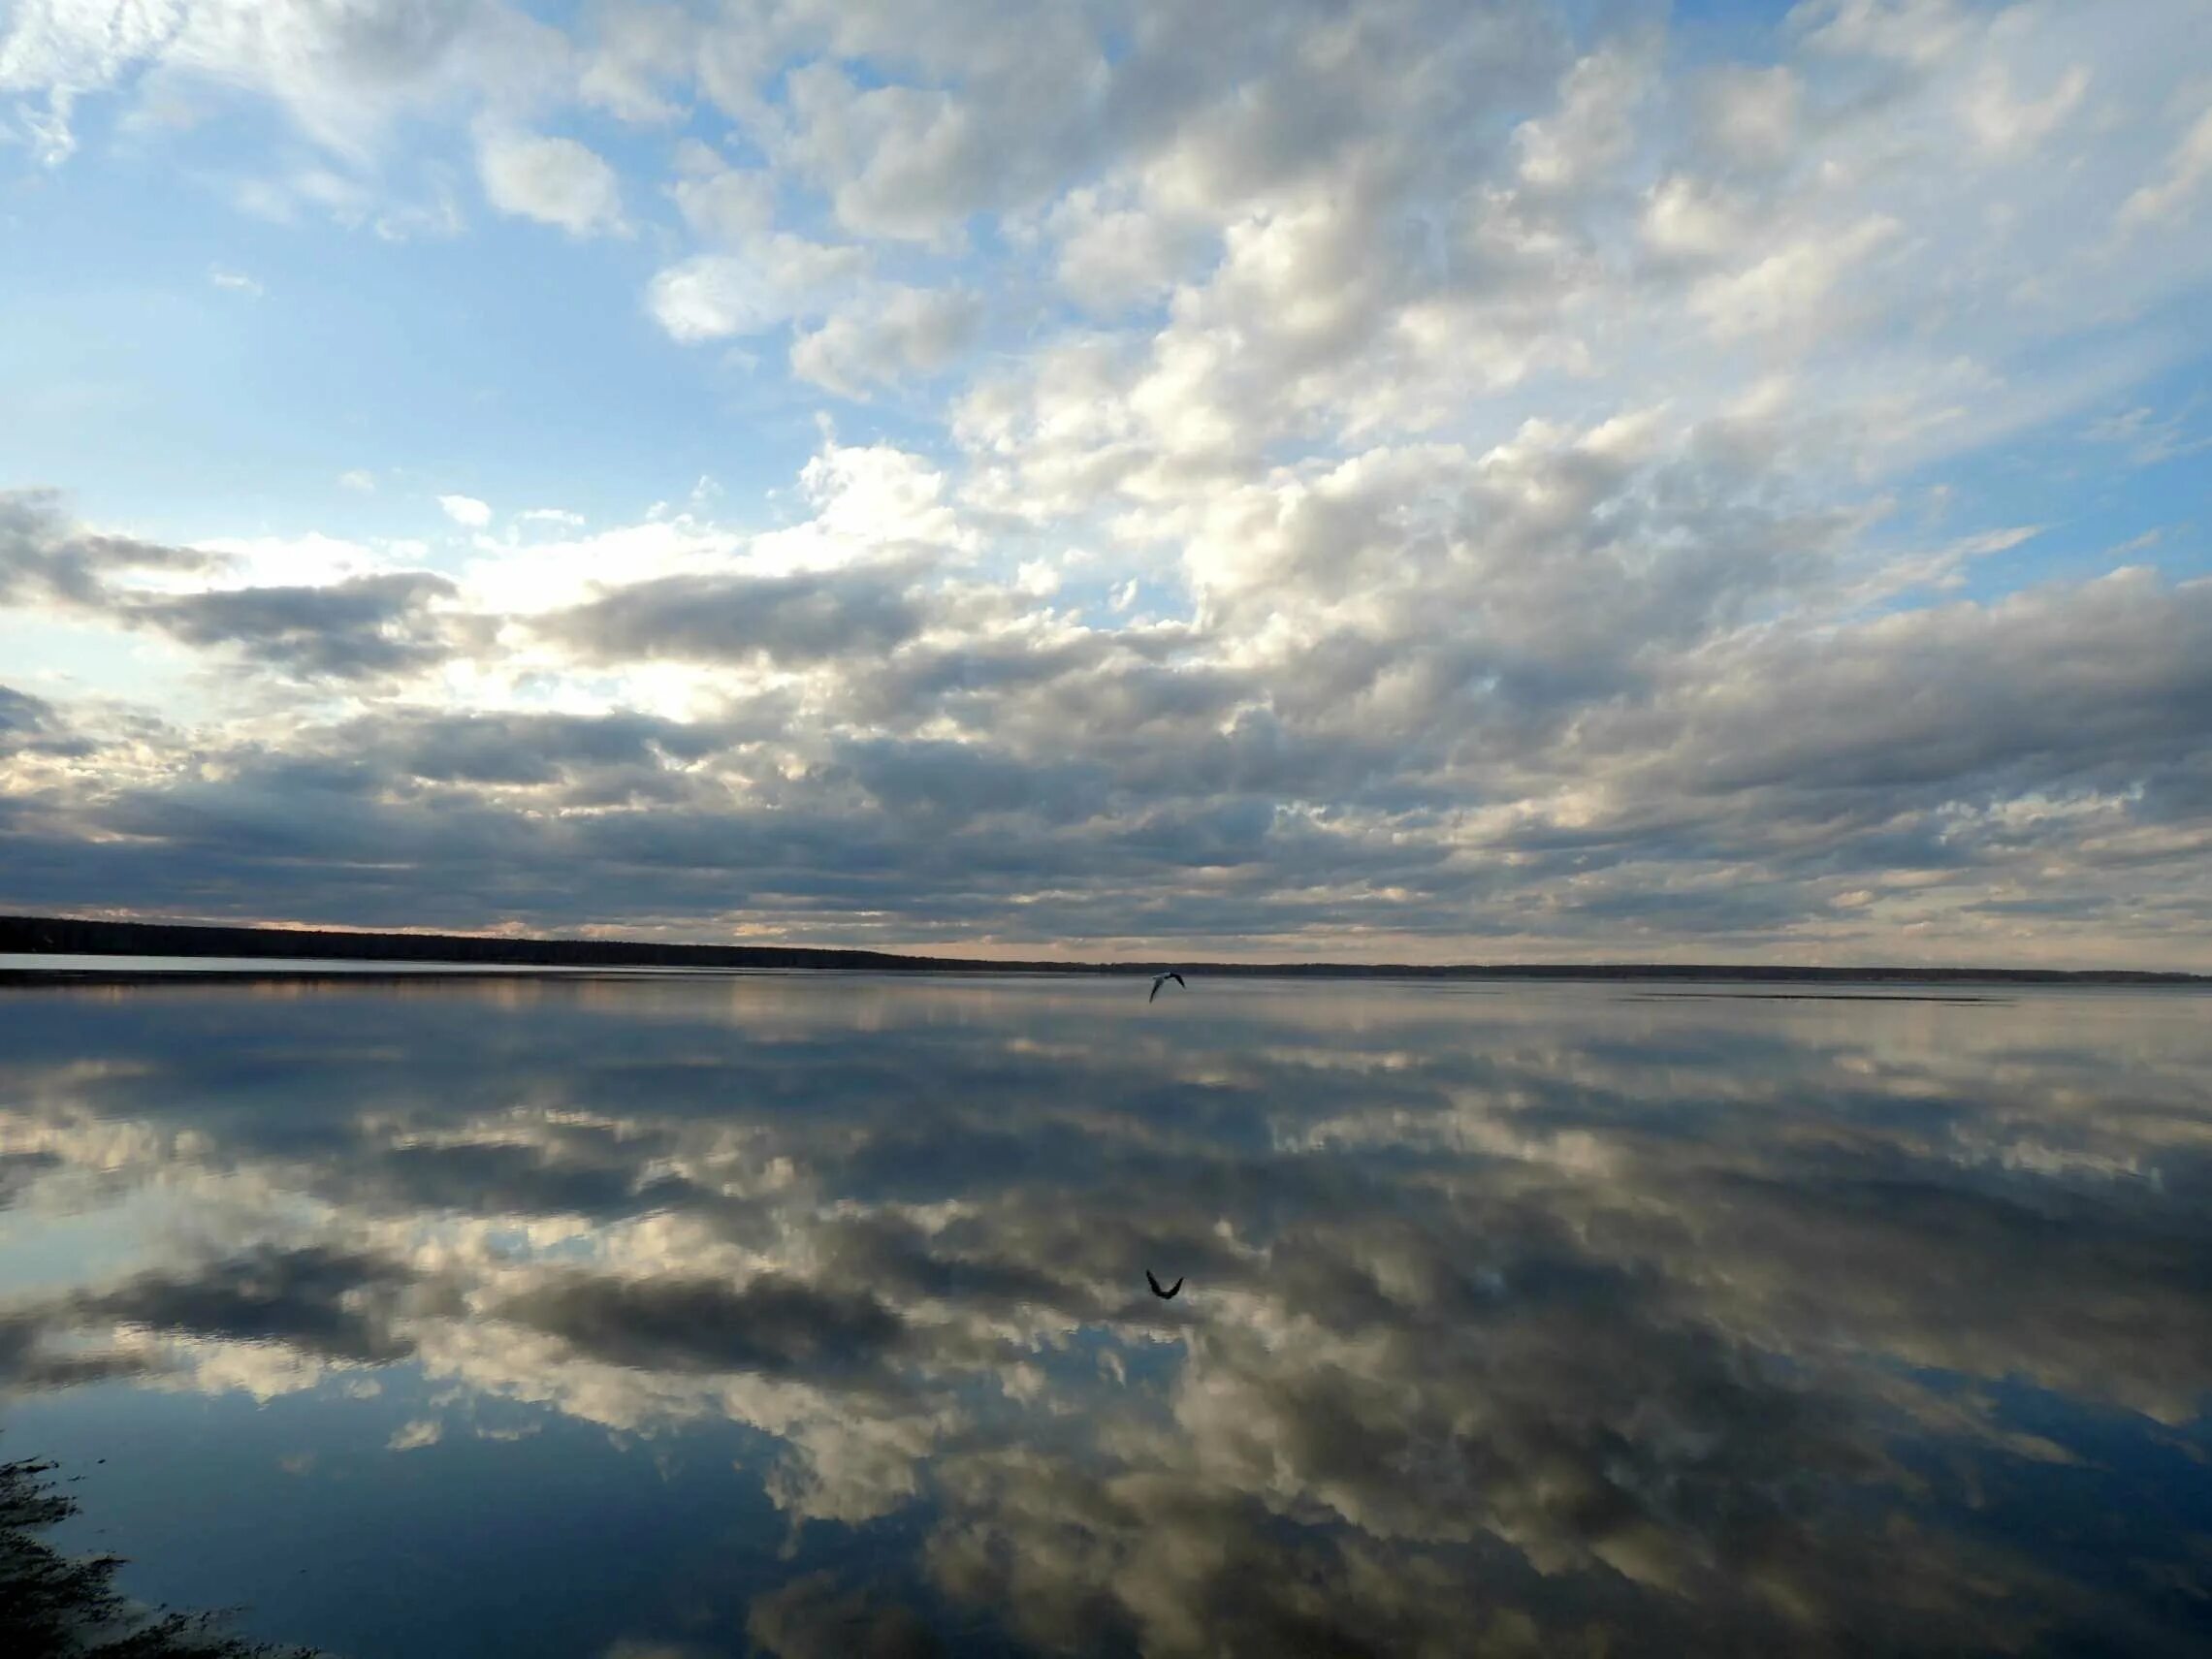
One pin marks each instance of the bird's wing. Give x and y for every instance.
(1155, 990)
(1178, 980)
(1154, 1283)
(1171, 1289)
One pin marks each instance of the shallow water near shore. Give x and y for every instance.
(806, 1314)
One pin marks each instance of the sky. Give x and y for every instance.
(1424, 480)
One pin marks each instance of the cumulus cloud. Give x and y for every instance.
(555, 181)
(466, 510)
(342, 74)
(1116, 253)
(722, 204)
(714, 296)
(901, 333)
(635, 52)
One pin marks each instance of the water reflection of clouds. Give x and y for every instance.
(1521, 1320)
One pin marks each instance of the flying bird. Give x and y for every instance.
(1160, 979)
(1169, 1291)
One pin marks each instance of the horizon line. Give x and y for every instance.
(38, 935)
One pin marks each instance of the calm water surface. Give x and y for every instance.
(807, 1315)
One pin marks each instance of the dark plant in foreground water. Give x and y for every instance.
(54, 1606)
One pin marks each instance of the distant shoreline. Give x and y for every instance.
(470, 956)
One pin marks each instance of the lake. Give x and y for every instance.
(807, 1315)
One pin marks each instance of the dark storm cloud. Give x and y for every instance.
(728, 619)
(775, 1325)
(334, 1302)
(358, 628)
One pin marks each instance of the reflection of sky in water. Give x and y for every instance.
(577, 1318)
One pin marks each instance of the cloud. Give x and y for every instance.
(517, 747)
(43, 557)
(27, 1362)
(1115, 254)
(236, 282)
(2148, 438)
(342, 75)
(793, 619)
(815, 1617)
(373, 624)
(2187, 169)
(465, 511)
(1590, 130)
(723, 205)
(553, 180)
(638, 49)
(714, 296)
(67, 53)
(901, 333)
(307, 1298)
(1749, 116)
(2073, 681)
(33, 725)
(20, 1171)
(1787, 288)
(359, 479)
(508, 1178)
(352, 630)
(770, 1325)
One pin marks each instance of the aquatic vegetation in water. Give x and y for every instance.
(55, 1605)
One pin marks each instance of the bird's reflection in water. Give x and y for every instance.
(1534, 1321)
